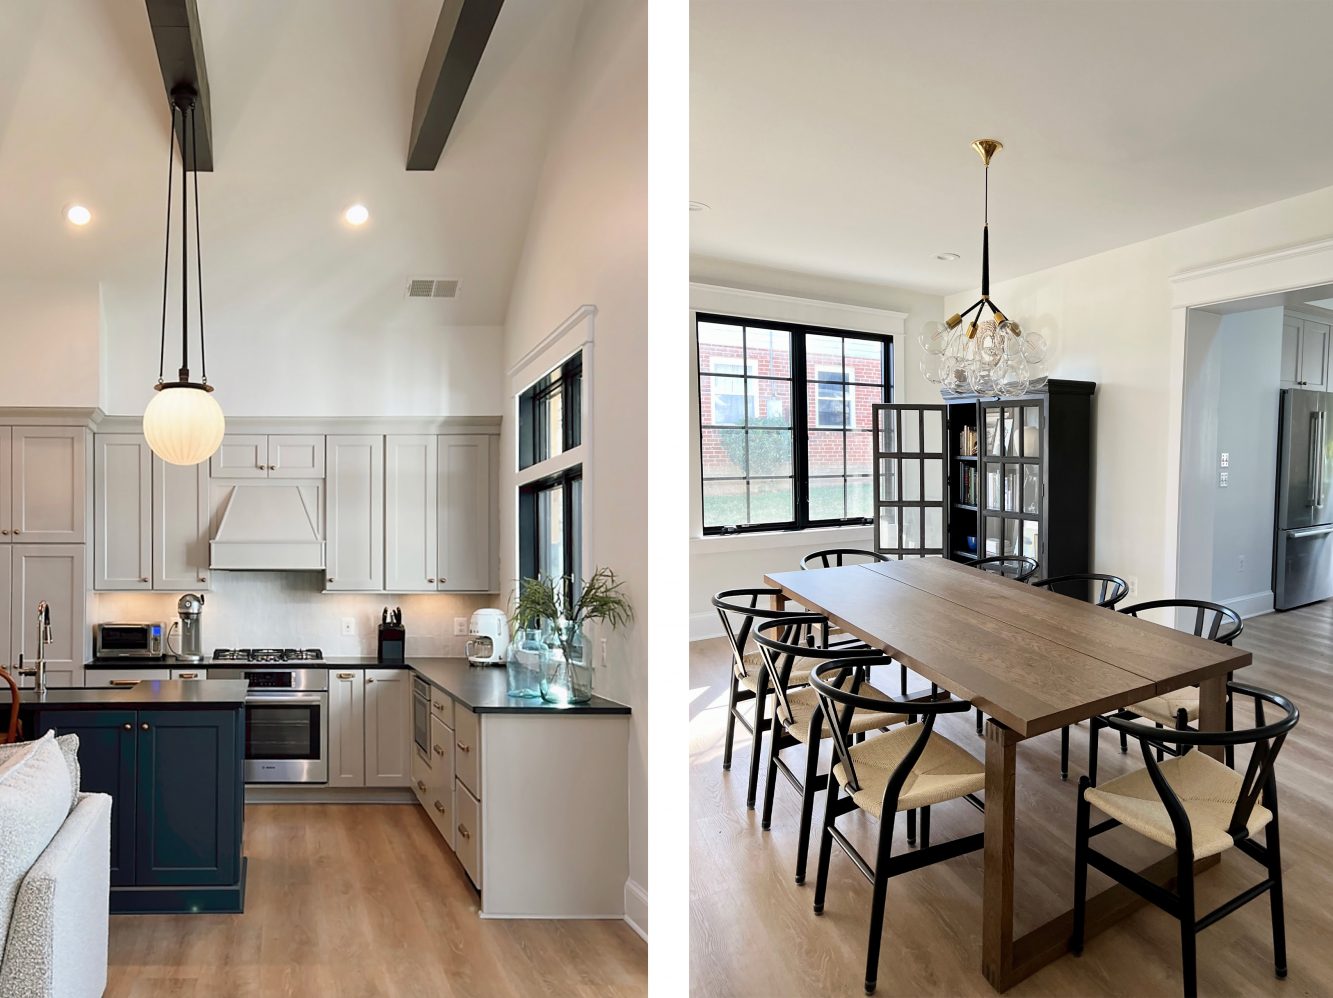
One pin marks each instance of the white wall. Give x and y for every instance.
(587, 244)
(50, 337)
(718, 563)
(289, 610)
(1109, 319)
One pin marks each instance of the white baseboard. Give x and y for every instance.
(636, 908)
(295, 793)
(1251, 604)
(705, 625)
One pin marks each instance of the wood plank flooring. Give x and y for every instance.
(752, 931)
(364, 900)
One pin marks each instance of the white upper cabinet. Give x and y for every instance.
(122, 511)
(48, 469)
(467, 499)
(411, 517)
(1305, 353)
(56, 573)
(180, 526)
(271, 455)
(355, 488)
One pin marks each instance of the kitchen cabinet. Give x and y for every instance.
(44, 476)
(466, 561)
(122, 512)
(423, 778)
(388, 727)
(269, 455)
(124, 677)
(177, 808)
(440, 781)
(56, 573)
(180, 527)
(1305, 353)
(467, 844)
(467, 741)
(411, 513)
(355, 512)
(189, 673)
(347, 728)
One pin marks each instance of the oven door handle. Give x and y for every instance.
(279, 698)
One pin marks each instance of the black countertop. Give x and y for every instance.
(155, 694)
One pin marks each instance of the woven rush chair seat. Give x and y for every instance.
(754, 665)
(1207, 789)
(944, 772)
(805, 702)
(1163, 709)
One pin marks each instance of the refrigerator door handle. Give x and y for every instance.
(1309, 532)
(1312, 462)
(1323, 444)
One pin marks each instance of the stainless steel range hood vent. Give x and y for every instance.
(268, 526)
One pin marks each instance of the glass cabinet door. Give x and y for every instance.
(1012, 479)
(910, 486)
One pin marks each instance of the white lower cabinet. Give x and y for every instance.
(123, 677)
(58, 574)
(347, 728)
(189, 673)
(440, 805)
(468, 843)
(388, 727)
(422, 778)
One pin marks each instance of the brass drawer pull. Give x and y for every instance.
(439, 750)
(441, 808)
(346, 675)
(464, 832)
(421, 786)
(124, 682)
(463, 748)
(189, 675)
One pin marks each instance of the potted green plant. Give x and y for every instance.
(567, 675)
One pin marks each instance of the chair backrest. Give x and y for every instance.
(11, 732)
(739, 609)
(837, 683)
(837, 557)
(1211, 620)
(1267, 739)
(1103, 590)
(805, 635)
(1013, 566)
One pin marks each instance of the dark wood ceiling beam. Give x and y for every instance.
(455, 50)
(180, 53)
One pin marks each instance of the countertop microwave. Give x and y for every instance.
(129, 640)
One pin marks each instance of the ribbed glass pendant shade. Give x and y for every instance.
(183, 425)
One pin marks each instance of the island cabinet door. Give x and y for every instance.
(190, 797)
(108, 765)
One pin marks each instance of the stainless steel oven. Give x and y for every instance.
(286, 723)
(421, 716)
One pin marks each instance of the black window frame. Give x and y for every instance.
(800, 417)
(529, 494)
(567, 381)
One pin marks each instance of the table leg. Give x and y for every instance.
(997, 906)
(1213, 711)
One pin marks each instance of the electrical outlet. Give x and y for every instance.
(460, 625)
(1226, 460)
(1133, 582)
(603, 663)
(1240, 563)
(349, 626)
(1223, 480)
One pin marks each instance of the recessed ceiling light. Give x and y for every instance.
(946, 256)
(356, 215)
(698, 206)
(77, 214)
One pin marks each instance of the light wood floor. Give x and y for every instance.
(364, 900)
(752, 931)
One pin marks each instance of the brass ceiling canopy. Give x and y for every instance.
(986, 148)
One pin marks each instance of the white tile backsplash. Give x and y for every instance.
(290, 610)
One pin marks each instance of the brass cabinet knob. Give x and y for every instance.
(430, 580)
(16, 530)
(128, 726)
(330, 578)
(143, 578)
(439, 750)
(143, 726)
(203, 578)
(464, 832)
(346, 675)
(4, 531)
(370, 679)
(440, 807)
(463, 748)
(421, 786)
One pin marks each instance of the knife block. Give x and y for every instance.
(392, 644)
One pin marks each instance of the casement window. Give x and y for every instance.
(550, 491)
(785, 422)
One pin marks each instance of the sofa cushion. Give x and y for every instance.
(69, 748)
(34, 802)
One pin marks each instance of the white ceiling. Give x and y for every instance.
(311, 108)
(833, 138)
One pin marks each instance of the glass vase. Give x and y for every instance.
(567, 677)
(526, 664)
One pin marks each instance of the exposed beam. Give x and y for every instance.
(455, 50)
(180, 53)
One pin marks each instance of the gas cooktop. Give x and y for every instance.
(268, 655)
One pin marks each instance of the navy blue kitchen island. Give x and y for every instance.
(170, 755)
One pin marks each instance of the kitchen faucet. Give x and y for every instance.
(44, 638)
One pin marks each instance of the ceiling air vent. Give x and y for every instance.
(430, 287)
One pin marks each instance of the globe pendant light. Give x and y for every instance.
(991, 355)
(183, 423)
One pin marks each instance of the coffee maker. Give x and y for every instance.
(190, 607)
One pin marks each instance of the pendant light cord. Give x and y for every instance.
(185, 250)
(198, 258)
(166, 251)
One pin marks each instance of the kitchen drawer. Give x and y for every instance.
(441, 784)
(467, 742)
(468, 843)
(123, 677)
(422, 778)
(196, 673)
(442, 706)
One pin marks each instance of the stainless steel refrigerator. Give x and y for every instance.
(1303, 554)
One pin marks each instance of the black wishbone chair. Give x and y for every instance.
(1018, 567)
(906, 769)
(1199, 807)
(739, 610)
(837, 558)
(1100, 590)
(798, 719)
(1178, 708)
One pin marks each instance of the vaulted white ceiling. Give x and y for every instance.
(311, 109)
(833, 138)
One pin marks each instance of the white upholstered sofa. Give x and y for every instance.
(55, 859)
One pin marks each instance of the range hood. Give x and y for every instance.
(268, 526)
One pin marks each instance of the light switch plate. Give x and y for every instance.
(1223, 480)
(349, 626)
(1133, 582)
(1226, 460)
(460, 626)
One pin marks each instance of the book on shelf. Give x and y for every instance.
(967, 442)
(967, 486)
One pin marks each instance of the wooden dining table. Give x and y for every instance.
(1033, 661)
